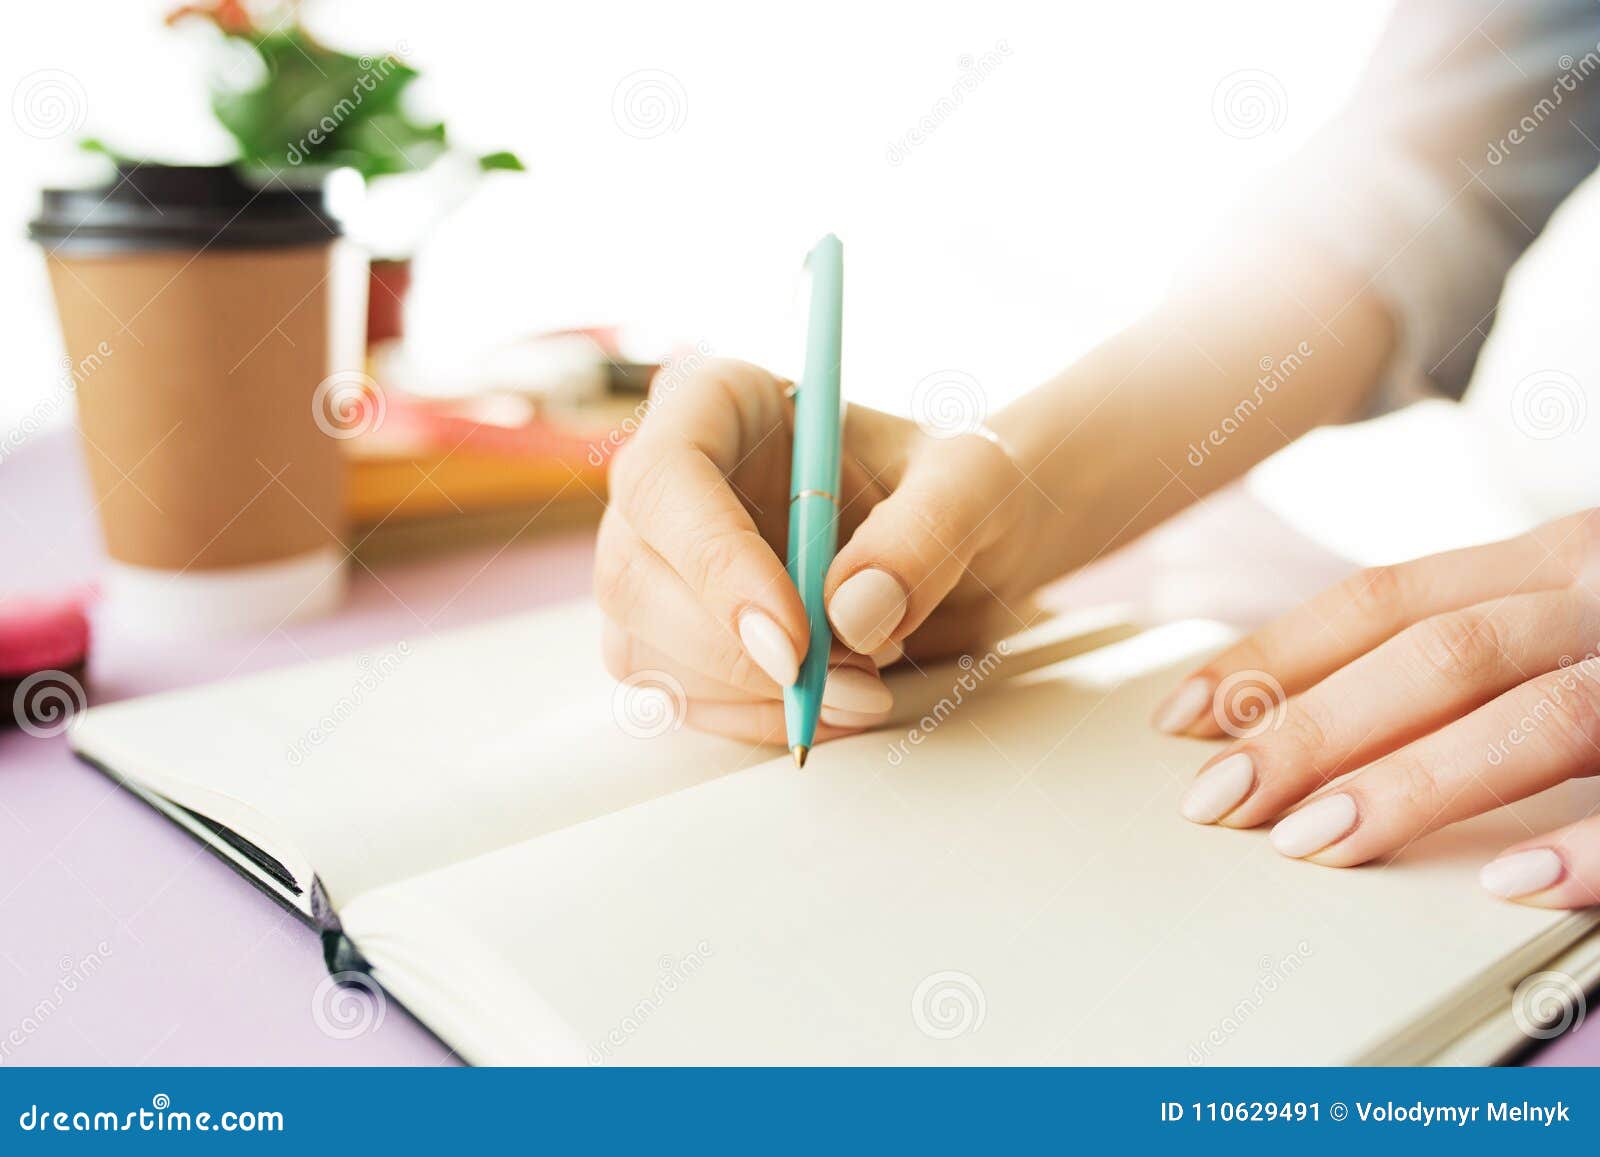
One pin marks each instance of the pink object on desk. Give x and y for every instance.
(38, 633)
(193, 966)
(44, 644)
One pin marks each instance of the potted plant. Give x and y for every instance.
(310, 109)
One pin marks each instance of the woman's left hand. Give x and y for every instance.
(1448, 686)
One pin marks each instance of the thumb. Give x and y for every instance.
(955, 499)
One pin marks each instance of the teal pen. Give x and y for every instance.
(814, 487)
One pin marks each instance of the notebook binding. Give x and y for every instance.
(339, 952)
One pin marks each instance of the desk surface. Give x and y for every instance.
(192, 966)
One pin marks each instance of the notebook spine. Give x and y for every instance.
(339, 952)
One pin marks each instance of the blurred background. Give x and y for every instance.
(1013, 181)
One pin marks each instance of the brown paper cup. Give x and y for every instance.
(198, 354)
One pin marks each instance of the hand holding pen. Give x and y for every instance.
(933, 543)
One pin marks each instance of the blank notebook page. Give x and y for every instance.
(1016, 887)
(409, 756)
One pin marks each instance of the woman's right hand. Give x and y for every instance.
(934, 540)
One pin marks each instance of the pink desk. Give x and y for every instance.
(194, 966)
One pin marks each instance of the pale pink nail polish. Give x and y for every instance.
(1315, 826)
(769, 646)
(1521, 873)
(837, 717)
(1218, 789)
(848, 689)
(866, 609)
(1183, 706)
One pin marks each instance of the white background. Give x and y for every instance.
(1050, 208)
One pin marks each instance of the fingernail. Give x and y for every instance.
(867, 608)
(834, 717)
(851, 690)
(1315, 827)
(769, 645)
(891, 652)
(1183, 706)
(1218, 789)
(1521, 873)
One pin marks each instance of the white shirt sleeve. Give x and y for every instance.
(1471, 124)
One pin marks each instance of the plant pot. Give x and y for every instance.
(387, 285)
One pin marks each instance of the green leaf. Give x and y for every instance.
(502, 160)
(317, 108)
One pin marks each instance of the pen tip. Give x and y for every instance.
(800, 751)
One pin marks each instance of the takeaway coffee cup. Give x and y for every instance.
(196, 315)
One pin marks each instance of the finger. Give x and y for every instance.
(955, 498)
(1558, 870)
(670, 484)
(1314, 640)
(650, 601)
(888, 655)
(1531, 738)
(629, 657)
(758, 722)
(1426, 676)
(852, 684)
(960, 628)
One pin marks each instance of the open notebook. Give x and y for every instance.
(540, 867)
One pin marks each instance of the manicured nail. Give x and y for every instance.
(1183, 706)
(1314, 827)
(1218, 789)
(834, 717)
(856, 691)
(890, 653)
(769, 645)
(1521, 873)
(867, 608)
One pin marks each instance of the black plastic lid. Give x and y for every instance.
(179, 207)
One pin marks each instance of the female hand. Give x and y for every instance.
(689, 567)
(1448, 686)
